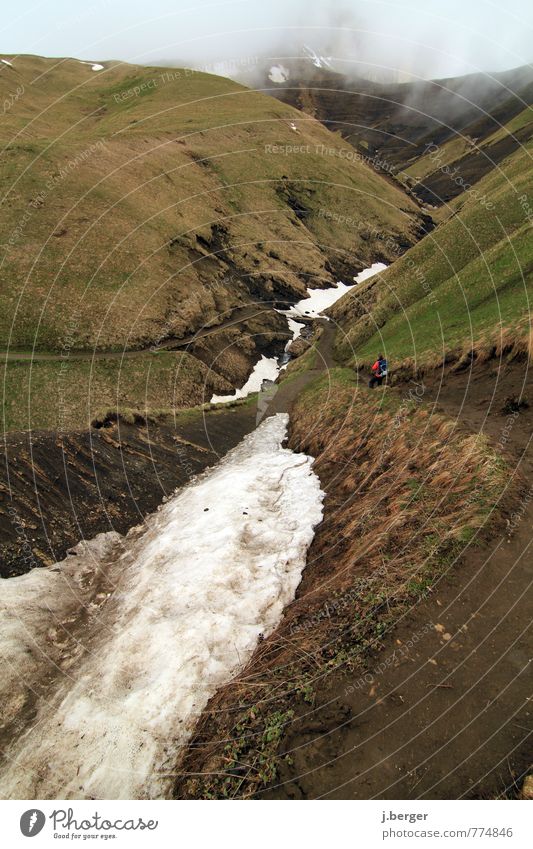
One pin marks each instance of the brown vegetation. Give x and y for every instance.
(405, 494)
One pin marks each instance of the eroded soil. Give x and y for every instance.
(445, 711)
(56, 489)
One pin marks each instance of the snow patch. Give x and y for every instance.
(296, 328)
(267, 368)
(319, 300)
(193, 591)
(278, 74)
(94, 66)
(375, 268)
(318, 61)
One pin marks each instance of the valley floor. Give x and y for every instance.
(427, 700)
(445, 708)
(435, 703)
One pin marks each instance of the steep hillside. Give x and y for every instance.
(395, 123)
(445, 172)
(141, 204)
(463, 291)
(128, 193)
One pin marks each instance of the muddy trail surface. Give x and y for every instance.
(445, 711)
(290, 389)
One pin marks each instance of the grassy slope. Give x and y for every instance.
(68, 395)
(100, 242)
(466, 285)
(141, 203)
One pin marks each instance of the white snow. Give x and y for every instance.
(375, 268)
(120, 679)
(317, 300)
(94, 66)
(320, 299)
(7, 63)
(278, 74)
(267, 368)
(318, 61)
(296, 328)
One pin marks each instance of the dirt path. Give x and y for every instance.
(447, 711)
(172, 345)
(290, 389)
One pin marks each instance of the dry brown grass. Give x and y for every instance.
(157, 213)
(405, 494)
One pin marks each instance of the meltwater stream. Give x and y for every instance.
(109, 657)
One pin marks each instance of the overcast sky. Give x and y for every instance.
(422, 37)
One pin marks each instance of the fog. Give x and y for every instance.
(398, 39)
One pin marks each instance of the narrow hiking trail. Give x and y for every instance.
(170, 345)
(446, 709)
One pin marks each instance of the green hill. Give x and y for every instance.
(128, 192)
(465, 287)
(141, 204)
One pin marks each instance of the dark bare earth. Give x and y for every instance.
(447, 711)
(56, 489)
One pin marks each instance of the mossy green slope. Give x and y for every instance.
(467, 284)
(128, 192)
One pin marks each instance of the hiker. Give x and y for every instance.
(379, 372)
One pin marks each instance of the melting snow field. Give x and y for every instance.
(313, 306)
(319, 300)
(266, 368)
(110, 656)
